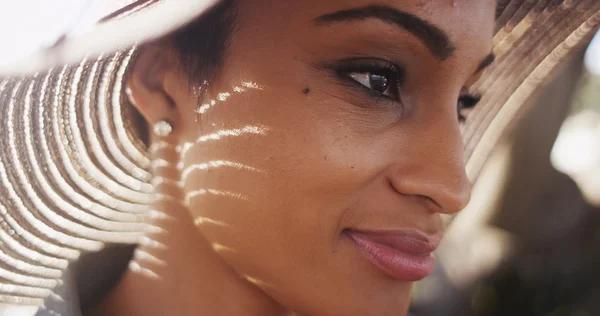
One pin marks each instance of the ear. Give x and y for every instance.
(155, 86)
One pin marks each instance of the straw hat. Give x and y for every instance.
(74, 178)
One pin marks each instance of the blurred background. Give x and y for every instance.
(528, 243)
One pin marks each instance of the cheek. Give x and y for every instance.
(278, 194)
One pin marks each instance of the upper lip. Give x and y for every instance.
(411, 241)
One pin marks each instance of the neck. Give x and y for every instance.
(176, 272)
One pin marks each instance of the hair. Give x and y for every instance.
(202, 45)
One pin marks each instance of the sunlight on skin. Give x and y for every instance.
(257, 282)
(252, 85)
(151, 243)
(159, 163)
(200, 220)
(164, 197)
(221, 248)
(135, 267)
(194, 194)
(154, 214)
(141, 255)
(247, 130)
(162, 145)
(156, 181)
(185, 173)
(250, 129)
(169, 178)
(223, 96)
(153, 229)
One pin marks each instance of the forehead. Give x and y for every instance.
(467, 23)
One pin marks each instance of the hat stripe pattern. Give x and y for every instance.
(139, 157)
(534, 38)
(74, 177)
(137, 187)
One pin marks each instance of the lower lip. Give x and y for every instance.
(397, 264)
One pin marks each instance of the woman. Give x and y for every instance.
(328, 201)
(300, 157)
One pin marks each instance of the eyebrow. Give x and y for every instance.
(434, 38)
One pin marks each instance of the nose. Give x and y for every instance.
(434, 170)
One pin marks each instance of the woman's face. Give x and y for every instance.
(328, 140)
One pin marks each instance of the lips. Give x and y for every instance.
(405, 255)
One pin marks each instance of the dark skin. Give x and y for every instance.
(332, 122)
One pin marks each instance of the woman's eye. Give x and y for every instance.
(376, 81)
(379, 78)
(379, 81)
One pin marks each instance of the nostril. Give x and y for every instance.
(451, 201)
(432, 204)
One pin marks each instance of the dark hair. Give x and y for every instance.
(202, 45)
(201, 48)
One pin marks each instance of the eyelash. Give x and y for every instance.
(397, 75)
(394, 73)
(466, 101)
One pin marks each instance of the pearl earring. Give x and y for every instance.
(162, 128)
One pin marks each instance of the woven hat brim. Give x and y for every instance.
(143, 20)
(534, 38)
(75, 178)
